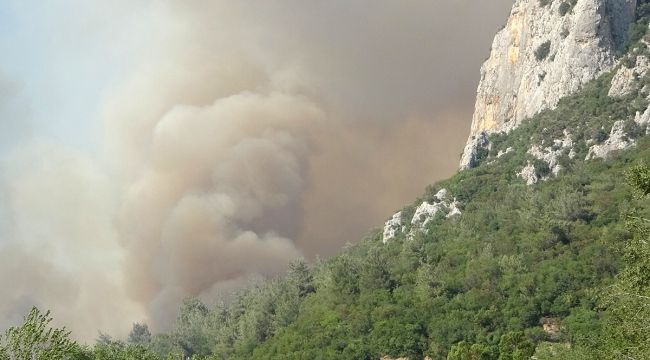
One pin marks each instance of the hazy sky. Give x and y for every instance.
(155, 150)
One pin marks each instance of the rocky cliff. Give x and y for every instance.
(547, 50)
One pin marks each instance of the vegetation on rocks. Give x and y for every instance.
(559, 269)
(479, 285)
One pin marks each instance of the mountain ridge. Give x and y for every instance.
(546, 50)
(507, 259)
(500, 261)
(514, 274)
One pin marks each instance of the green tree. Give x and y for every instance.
(466, 351)
(191, 324)
(140, 334)
(515, 346)
(628, 299)
(300, 276)
(118, 350)
(36, 340)
(287, 296)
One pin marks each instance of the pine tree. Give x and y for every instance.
(627, 333)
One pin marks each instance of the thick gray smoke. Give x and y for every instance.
(218, 198)
(247, 134)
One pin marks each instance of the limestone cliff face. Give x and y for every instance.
(547, 50)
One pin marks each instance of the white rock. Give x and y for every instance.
(474, 144)
(503, 153)
(617, 141)
(453, 209)
(551, 155)
(643, 120)
(441, 195)
(572, 154)
(529, 174)
(515, 85)
(392, 227)
(626, 80)
(425, 213)
(566, 142)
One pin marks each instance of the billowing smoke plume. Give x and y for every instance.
(246, 134)
(218, 198)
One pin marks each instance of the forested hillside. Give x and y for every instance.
(547, 258)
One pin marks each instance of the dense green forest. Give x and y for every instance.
(558, 269)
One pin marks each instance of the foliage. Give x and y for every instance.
(478, 286)
(628, 300)
(36, 340)
(515, 346)
(140, 334)
(636, 32)
(543, 50)
(639, 178)
(564, 8)
(117, 350)
(466, 351)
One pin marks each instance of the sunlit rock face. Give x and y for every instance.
(643, 119)
(547, 50)
(551, 154)
(529, 174)
(442, 203)
(392, 226)
(626, 79)
(617, 140)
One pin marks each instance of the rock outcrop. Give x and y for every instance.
(529, 174)
(442, 203)
(626, 79)
(392, 227)
(643, 120)
(551, 154)
(547, 50)
(632, 78)
(617, 140)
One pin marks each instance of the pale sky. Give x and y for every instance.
(154, 150)
(59, 60)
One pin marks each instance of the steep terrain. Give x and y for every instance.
(513, 257)
(485, 263)
(505, 259)
(547, 50)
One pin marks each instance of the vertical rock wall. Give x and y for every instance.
(548, 49)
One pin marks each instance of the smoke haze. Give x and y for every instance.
(243, 135)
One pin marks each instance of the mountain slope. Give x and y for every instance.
(518, 257)
(546, 50)
(499, 261)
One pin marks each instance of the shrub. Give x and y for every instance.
(600, 136)
(541, 168)
(543, 50)
(629, 61)
(632, 129)
(515, 346)
(35, 339)
(635, 33)
(564, 8)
